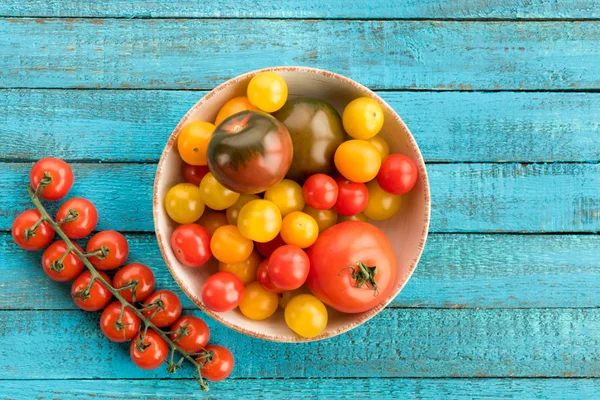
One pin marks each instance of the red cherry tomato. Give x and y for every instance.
(191, 245)
(222, 292)
(96, 298)
(219, 365)
(320, 191)
(266, 249)
(138, 275)
(194, 334)
(150, 353)
(288, 267)
(61, 270)
(41, 237)
(262, 276)
(194, 173)
(85, 221)
(352, 197)
(116, 246)
(398, 174)
(60, 174)
(167, 310)
(119, 330)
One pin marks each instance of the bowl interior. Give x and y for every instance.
(407, 230)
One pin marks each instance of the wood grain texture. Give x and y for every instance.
(396, 343)
(191, 54)
(295, 389)
(505, 126)
(465, 197)
(291, 9)
(456, 271)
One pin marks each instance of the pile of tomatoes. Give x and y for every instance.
(107, 251)
(282, 200)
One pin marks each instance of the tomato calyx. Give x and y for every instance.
(100, 253)
(57, 265)
(30, 232)
(181, 332)
(133, 285)
(363, 275)
(45, 181)
(84, 294)
(71, 216)
(119, 325)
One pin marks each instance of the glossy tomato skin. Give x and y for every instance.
(222, 292)
(250, 152)
(398, 174)
(288, 267)
(259, 220)
(71, 265)
(150, 357)
(118, 250)
(84, 224)
(245, 270)
(352, 197)
(228, 245)
(139, 273)
(358, 160)
(99, 295)
(196, 335)
(258, 303)
(233, 211)
(340, 247)
(130, 323)
(191, 245)
(263, 278)
(193, 141)
(267, 91)
(220, 366)
(363, 118)
(316, 130)
(61, 174)
(43, 233)
(234, 106)
(194, 173)
(320, 191)
(171, 308)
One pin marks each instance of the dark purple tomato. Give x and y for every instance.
(250, 152)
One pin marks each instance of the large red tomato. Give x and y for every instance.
(352, 267)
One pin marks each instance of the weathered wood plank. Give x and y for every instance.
(396, 343)
(456, 271)
(187, 54)
(304, 9)
(505, 126)
(292, 389)
(465, 197)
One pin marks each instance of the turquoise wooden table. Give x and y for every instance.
(503, 98)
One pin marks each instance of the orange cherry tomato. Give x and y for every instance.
(300, 229)
(234, 106)
(193, 140)
(229, 246)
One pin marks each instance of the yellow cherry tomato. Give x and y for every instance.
(234, 210)
(285, 297)
(245, 270)
(184, 204)
(363, 118)
(259, 220)
(267, 91)
(381, 145)
(358, 217)
(381, 205)
(287, 196)
(324, 218)
(306, 315)
(215, 195)
(357, 160)
(234, 106)
(192, 142)
(258, 303)
(229, 246)
(212, 220)
(300, 229)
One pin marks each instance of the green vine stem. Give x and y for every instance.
(45, 217)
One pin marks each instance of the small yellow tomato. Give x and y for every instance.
(234, 106)
(212, 220)
(184, 204)
(363, 118)
(381, 145)
(258, 303)
(358, 217)
(287, 196)
(299, 229)
(381, 205)
(193, 140)
(245, 270)
(285, 297)
(234, 210)
(306, 315)
(357, 160)
(215, 195)
(259, 220)
(267, 91)
(229, 246)
(324, 218)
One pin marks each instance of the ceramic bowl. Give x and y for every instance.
(407, 230)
